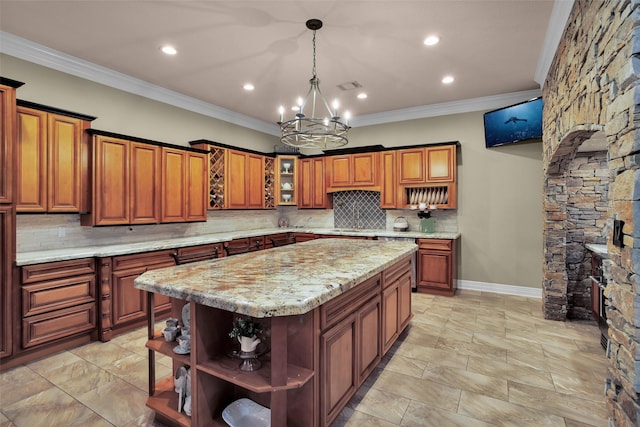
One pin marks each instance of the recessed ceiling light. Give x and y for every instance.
(169, 50)
(447, 79)
(431, 40)
(362, 95)
(248, 87)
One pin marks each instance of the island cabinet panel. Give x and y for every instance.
(436, 266)
(52, 164)
(7, 256)
(58, 301)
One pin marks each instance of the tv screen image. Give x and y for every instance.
(515, 123)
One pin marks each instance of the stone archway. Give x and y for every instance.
(570, 221)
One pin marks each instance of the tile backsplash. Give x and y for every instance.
(358, 209)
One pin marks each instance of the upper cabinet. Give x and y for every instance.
(141, 182)
(353, 171)
(389, 186)
(426, 164)
(52, 160)
(238, 179)
(312, 193)
(7, 137)
(286, 183)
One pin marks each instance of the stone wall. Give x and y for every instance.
(592, 86)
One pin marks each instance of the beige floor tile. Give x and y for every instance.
(52, 407)
(101, 353)
(352, 418)
(20, 383)
(471, 349)
(560, 404)
(425, 391)
(134, 370)
(501, 413)
(422, 334)
(585, 387)
(380, 404)
(506, 344)
(5, 422)
(466, 380)
(421, 415)
(118, 401)
(506, 371)
(403, 365)
(432, 355)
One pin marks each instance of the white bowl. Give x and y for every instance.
(286, 197)
(246, 413)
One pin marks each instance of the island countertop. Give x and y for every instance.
(282, 281)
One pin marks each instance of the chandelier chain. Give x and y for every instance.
(314, 54)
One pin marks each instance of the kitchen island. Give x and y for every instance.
(330, 308)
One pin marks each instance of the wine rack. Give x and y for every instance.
(216, 178)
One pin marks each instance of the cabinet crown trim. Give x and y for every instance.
(54, 110)
(144, 141)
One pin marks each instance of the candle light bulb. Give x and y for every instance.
(347, 116)
(281, 111)
(336, 104)
(300, 103)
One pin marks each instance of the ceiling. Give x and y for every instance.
(490, 48)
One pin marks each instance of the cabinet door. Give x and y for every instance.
(64, 149)
(441, 164)
(364, 169)
(7, 255)
(389, 187)
(368, 338)
(197, 195)
(305, 184)
(129, 303)
(434, 270)
(236, 171)
(404, 301)
(339, 171)
(411, 166)
(7, 142)
(339, 376)
(319, 183)
(145, 184)
(390, 325)
(32, 160)
(173, 185)
(111, 186)
(255, 181)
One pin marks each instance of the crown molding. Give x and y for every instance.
(33, 52)
(42, 55)
(555, 29)
(446, 108)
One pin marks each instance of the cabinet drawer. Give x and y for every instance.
(339, 308)
(57, 270)
(435, 244)
(54, 295)
(48, 327)
(156, 259)
(394, 272)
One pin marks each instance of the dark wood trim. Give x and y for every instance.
(10, 82)
(379, 148)
(55, 110)
(231, 147)
(143, 140)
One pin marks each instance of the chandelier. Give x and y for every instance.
(322, 127)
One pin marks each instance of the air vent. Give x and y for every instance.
(350, 85)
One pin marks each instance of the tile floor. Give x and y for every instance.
(477, 359)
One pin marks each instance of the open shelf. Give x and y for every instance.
(159, 345)
(259, 381)
(165, 403)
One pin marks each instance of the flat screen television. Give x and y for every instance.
(515, 123)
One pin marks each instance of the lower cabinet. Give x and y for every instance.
(396, 302)
(436, 267)
(58, 300)
(350, 348)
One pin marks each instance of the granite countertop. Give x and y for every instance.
(64, 254)
(282, 281)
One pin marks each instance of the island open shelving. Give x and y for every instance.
(323, 332)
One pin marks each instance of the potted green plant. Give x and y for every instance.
(246, 331)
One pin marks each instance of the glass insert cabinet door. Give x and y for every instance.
(286, 174)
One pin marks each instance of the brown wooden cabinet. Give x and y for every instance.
(312, 184)
(144, 184)
(52, 161)
(287, 192)
(359, 171)
(436, 269)
(425, 165)
(245, 180)
(129, 305)
(7, 138)
(7, 257)
(396, 302)
(389, 184)
(111, 198)
(58, 301)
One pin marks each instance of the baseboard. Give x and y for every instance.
(496, 288)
